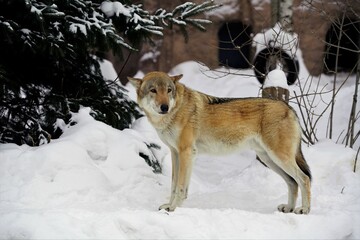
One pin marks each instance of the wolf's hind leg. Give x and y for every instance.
(291, 183)
(304, 183)
(302, 179)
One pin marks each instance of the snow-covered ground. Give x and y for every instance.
(91, 183)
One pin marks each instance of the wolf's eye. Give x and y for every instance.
(169, 90)
(153, 90)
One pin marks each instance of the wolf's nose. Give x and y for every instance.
(164, 108)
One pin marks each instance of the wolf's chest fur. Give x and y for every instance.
(206, 142)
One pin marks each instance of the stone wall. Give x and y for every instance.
(311, 23)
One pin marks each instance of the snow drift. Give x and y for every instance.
(91, 183)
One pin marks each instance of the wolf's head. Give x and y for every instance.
(156, 92)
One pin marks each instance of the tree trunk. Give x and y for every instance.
(282, 12)
(352, 119)
(275, 11)
(285, 15)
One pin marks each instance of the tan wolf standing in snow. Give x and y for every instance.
(190, 122)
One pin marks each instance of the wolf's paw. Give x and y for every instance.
(285, 208)
(302, 210)
(167, 207)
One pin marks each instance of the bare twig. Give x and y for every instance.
(331, 117)
(356, 159)
(352, 118)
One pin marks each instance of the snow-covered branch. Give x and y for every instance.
(140, 20)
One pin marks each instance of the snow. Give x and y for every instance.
(227, 8)
(278, 38)
(115, 8)
(276, 78)
(7, 25)
(153, 56)
(259, 2)
(35, 10)
(91, 183)
(74, 27)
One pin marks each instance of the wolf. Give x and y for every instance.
(190, 122)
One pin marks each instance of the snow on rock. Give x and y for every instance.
(91, 183)
(276, 78)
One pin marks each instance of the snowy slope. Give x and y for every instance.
(91, 183)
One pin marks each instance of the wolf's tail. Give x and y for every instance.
(300, 161)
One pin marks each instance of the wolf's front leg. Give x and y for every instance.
(174, 178)
(181, 179)
(185, 163)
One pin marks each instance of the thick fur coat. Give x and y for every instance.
(190, 122)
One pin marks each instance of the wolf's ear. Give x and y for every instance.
(176, 78)
(136, 82)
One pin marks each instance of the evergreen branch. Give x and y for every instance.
(198, 26)
(151, 24)
(196, 10)
(183, 7)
